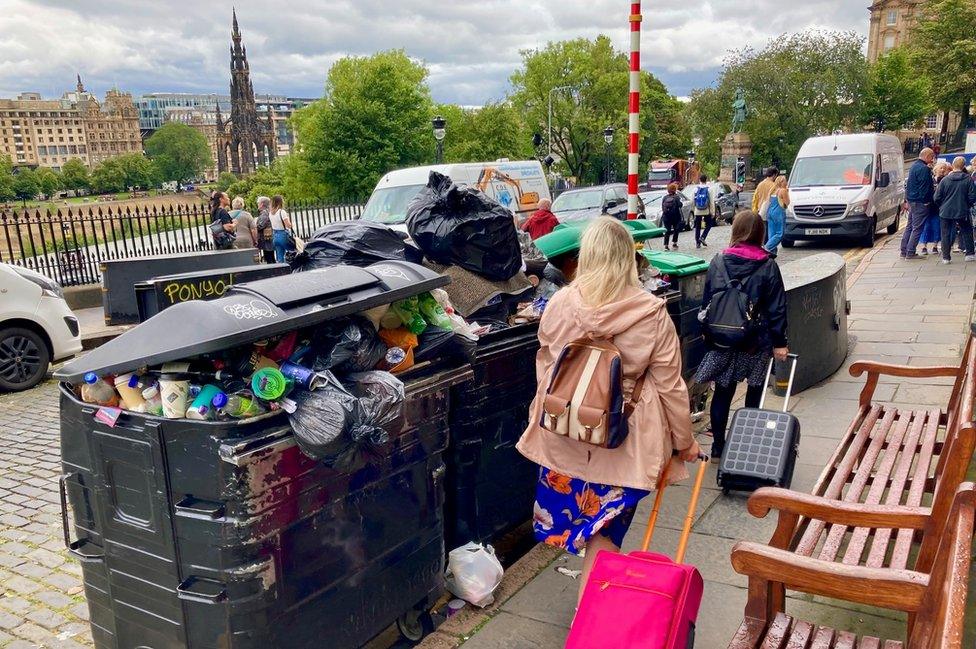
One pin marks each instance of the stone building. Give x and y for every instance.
(38, 132)
(204, 121)
(244, 142)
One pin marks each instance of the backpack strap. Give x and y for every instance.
(635, 396)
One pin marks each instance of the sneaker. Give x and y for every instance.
(912, 256)
(666, 248)
(970, 257)
(698, 245)
(946, 262)
(703, 243)
(935, 250)
(923, 252)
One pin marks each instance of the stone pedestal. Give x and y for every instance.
(733, 146)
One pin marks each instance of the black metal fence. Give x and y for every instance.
(68, 245)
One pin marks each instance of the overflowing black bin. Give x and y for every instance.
(490, 486)
(222, 533)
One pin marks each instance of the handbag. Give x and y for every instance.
(222, 239)
(764, 209)
(295, 243)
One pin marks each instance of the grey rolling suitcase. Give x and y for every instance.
(761, 445)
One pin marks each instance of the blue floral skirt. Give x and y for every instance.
(569, 512)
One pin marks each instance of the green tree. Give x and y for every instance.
(588, 82)
(943, 45)
(26, 185)
(799, 85)
(896, 95)
(49, 181)
(74, 175)
(122, 172)
(374, 117)
(180, 152)
(6, 179)
(225, 180)
(493, 131)
(108, 177)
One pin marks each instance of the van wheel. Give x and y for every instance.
(893, 226)
(867, 241)
(788, 243)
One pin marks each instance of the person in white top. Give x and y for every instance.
(281, 225)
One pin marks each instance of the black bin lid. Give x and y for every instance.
(213, 272)
(253, 311)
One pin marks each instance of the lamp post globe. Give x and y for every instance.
(440, 131)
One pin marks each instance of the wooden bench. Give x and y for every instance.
(935, 602)
(888, 487)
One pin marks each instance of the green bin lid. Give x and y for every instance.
(675, 263)
(566, 236)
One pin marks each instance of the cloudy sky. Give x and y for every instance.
(470, 46)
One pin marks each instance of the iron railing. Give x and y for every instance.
(68, 245)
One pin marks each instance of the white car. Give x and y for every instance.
(36, 327)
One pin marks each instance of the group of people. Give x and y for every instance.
(703, 212)
(586, 495)
(941, 199)
(268, 232)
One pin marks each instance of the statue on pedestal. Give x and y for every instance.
(740, 111)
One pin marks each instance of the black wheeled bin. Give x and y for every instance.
(490, 486)
(223, 534)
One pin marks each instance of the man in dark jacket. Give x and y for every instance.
(919, 189)
(955, 197)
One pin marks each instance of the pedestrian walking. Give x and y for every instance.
(779, 200)
(586, 494)
(764, 190)
(671, 216)
(955, 199)
(244, 225)
(932, 227)
(281, 225)
(542, 221)
(745, 261)
(919, 191)
(265, 231)
(704, 209)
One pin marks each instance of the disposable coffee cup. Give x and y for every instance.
(127, 386)
(175, 392)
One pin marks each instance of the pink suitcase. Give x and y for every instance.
(641, 600)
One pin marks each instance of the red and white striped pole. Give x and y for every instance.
(633, 157)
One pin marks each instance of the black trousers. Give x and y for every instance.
(721, 403)
(709, 222)
(949, 229)
(269, 256)
(671, 231)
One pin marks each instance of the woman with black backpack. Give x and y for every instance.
(671, 216)
(743, 319)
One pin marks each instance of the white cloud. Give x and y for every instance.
(471, 47)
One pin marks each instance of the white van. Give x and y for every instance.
(519, 186)
(846, 186)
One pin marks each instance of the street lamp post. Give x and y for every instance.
(608, 138)
(556, 89)
(689, 175)
(440, 130)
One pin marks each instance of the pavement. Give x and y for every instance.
(904, 312)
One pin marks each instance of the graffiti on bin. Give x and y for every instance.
(201, 288)
(252, 310)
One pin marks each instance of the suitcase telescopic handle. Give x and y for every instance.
(689, 517)
(789, 385)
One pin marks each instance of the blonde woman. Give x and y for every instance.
(776, 215)
(586, 495)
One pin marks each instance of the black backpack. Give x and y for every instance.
(671, 207)
(729, 319)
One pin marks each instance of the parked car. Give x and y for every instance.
(36, 327)
(588, 203)
(724, 197)
(846, 186)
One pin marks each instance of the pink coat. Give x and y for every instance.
(661, 422)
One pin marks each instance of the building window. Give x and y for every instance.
(932, 121)
(892, 17)
(889, 42)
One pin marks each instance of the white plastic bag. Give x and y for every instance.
(473, 573)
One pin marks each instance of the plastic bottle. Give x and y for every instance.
(154, 404)
(97, 391)
(433, 312)
(269, 384)
(130, 394)
(408, 311)
(202, 406)
(240, 406)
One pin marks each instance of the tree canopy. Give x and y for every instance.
(896, 96)
(374, 117)
(799, 85)
(120, 173)
(180, 152)
(74, 175)
(48, 180)
(26, 186)
(493, 131)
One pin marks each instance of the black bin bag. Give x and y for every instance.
(460, 226)
(346, 345)
(354, 243)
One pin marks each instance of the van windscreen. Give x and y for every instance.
(833, 170)
(389, 205)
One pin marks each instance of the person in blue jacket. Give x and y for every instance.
(919, 192)
(956, 197)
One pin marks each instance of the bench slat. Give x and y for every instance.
(749, 634)
(878, 435)
(845, 640)
(903, 543)
(801, 636)
(893, 644)
(929, 421)
(840, 464)
(824, 639)
(778, 632)
(859, 537)
(869, 643)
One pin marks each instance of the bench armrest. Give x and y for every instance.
(835, 511)
(875, 370)
(900, 590)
